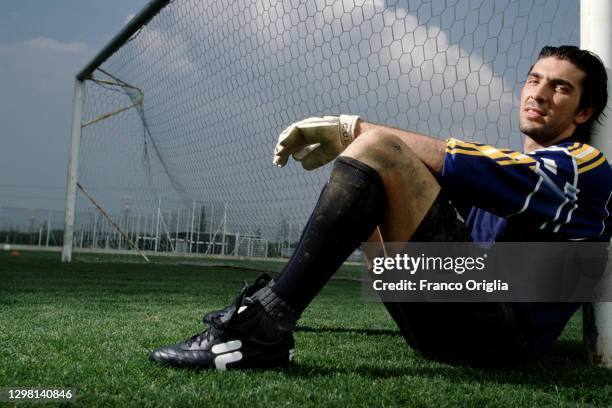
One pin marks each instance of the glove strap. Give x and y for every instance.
(348, 123)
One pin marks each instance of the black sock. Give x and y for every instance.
(349, 209)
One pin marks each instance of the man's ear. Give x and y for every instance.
(583, 115)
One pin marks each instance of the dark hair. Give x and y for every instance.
(594, 85)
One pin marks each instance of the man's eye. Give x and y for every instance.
(562, 88)
(532, 81)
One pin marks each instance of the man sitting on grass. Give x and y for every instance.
(408, 185)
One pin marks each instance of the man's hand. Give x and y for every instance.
(315, 141)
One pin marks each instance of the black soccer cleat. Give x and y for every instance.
(247, 291)
(243, 335)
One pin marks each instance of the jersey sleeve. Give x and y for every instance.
(563, 189)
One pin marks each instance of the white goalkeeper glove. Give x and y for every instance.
(315, 141)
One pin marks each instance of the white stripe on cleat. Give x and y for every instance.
(223, 360)
(226, 347)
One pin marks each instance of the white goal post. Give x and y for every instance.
(77, 120)
(175, 120)
(595, 35)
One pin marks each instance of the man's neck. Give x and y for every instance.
(529, 145)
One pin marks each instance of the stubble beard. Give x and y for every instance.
(536, 134)
(543, 133)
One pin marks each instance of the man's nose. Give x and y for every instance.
(540, 92)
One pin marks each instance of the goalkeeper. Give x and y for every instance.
(409, 186)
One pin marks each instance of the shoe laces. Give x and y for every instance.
(218, 321)
(205, 335)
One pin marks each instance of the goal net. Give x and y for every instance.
(180, 121)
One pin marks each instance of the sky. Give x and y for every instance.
(239, 74)
(43, 44)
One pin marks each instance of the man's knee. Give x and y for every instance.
(382, 151)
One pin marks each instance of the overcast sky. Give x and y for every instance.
(43, 44)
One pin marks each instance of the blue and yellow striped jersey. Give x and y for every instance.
(557, 193)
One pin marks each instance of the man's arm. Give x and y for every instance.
(316, 141)
(431, 151)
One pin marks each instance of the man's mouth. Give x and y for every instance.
(534, 113)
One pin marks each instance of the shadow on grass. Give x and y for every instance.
(564, 366)
(367, 332)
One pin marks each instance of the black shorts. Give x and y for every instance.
(479, 334)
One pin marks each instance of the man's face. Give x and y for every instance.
(549, 101)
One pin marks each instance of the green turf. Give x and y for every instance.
(350, 270)
(89, 326)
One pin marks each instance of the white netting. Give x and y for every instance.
(250, 247)
(31, 226)
(213, 84)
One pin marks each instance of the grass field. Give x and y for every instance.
(89, 326)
